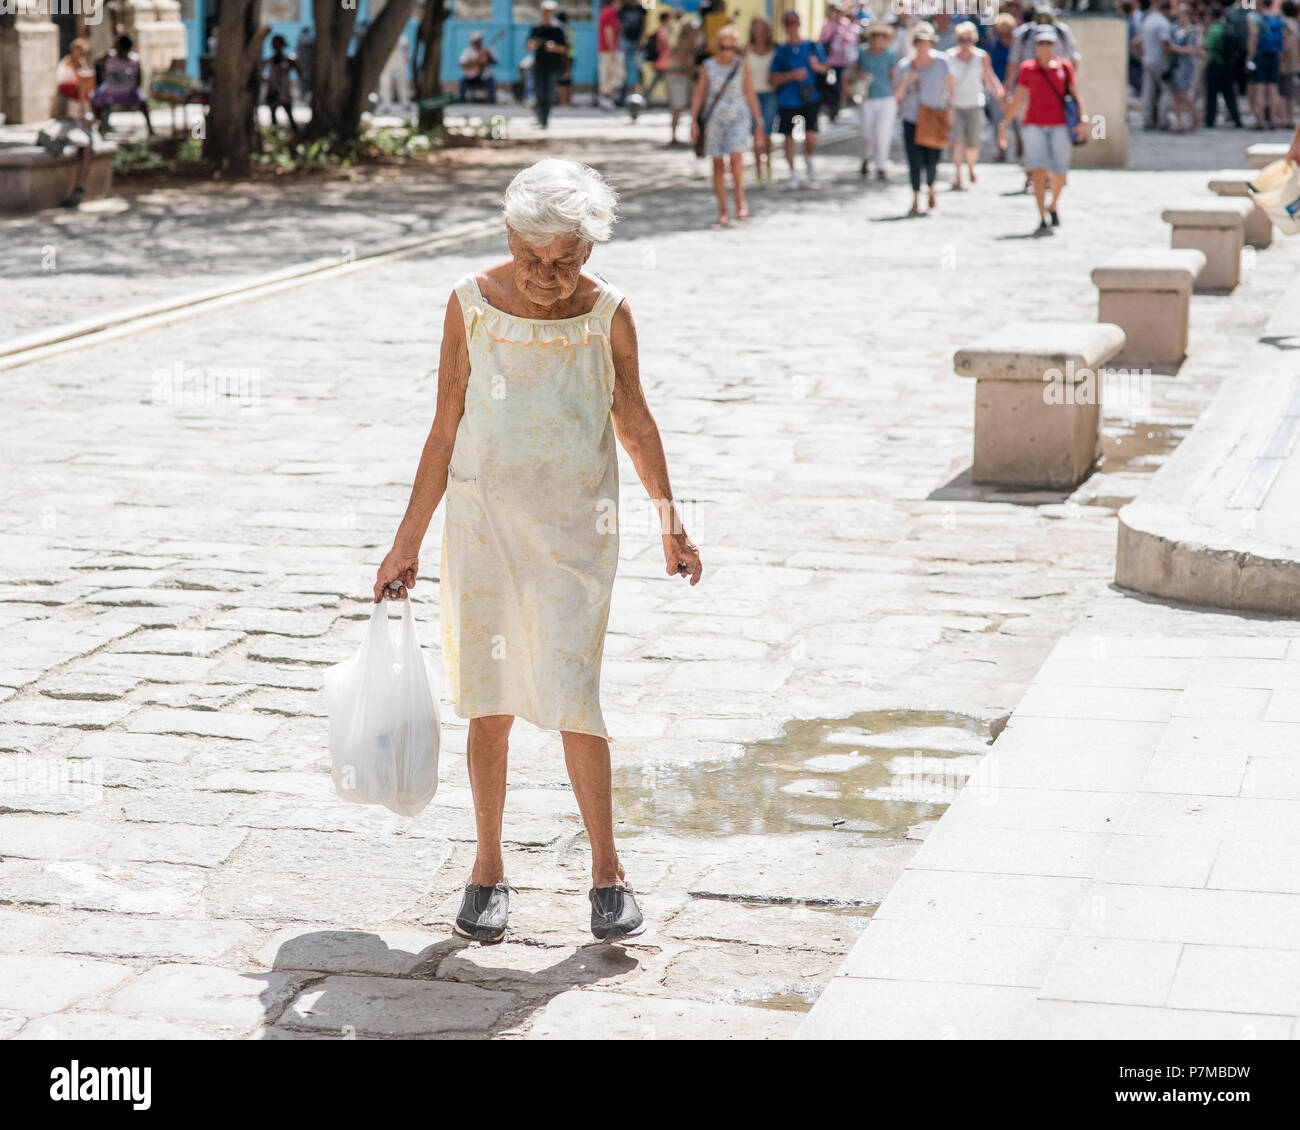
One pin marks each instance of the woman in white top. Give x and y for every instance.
(758, 61)
(972, 71)
(537, 378)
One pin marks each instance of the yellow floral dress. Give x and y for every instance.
(530, 537)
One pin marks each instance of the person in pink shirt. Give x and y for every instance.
(609, 56)
(839, 39)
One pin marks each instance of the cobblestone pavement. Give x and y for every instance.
(179, 566)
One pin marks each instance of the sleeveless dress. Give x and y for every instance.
(530, 536)
(730, 123)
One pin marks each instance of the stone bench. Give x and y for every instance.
(1236, 183)
(31, 179)
(1038, 401)
(1265, 153)
(1217, 228)
(1147, 292)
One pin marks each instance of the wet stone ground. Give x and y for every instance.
(178, 570)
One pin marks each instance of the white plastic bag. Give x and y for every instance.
(1276, 189)
(383, 719)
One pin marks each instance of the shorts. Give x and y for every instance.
(1267, 70)
(967, 126)
(767, 111)
(679, 92)
(1046, 147)
(808, 112)
(70, 90)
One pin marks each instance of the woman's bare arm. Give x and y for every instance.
(639, 434)
(402, 563)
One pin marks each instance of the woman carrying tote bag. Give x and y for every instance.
(924, 89)
(725, 115)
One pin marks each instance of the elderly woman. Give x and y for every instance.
(538, 375)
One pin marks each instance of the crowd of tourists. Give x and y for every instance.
(941, 81)
(1185, 59)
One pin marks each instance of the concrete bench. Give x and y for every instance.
(31, 179)
(1265, 153)
(1235, 182)
(1148, 294)
(1217, 228)
(1038, 401)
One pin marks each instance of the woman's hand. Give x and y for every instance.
(682, 558)
(1081, 130)
(695, 130)
(396, 574)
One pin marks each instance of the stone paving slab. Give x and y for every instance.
(1102, 913)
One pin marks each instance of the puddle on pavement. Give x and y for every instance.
(1139, 447)
(878, 773)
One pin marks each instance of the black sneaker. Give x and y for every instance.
(1044, 228)
(1056, 220)
(484, 912)
(614, 913)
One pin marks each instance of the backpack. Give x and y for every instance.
(1235, 36)
(1271, 35)
(631, 21)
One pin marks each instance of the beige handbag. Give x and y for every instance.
(932, 127)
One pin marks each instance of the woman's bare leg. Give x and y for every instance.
(738, 181)
(720, 187)
(587, 759)
(487, 756)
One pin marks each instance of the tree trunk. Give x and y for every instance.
(232, 133)
(428, 55)
(342, 85)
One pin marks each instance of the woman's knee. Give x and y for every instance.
(491, 726)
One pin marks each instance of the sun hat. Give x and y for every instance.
(924, 30)
(877, 28)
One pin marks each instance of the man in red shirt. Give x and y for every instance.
(1044, 82)
(609, 57)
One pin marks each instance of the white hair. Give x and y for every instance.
(555, 197)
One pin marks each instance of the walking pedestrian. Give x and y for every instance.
(631, 30)
(550, 50)
(758, 61)
(879, 65)
(924, 90)
(1225, 54)
(1042, 86)
(1288, 83)
(681, 72)
(795, 65)
(972, 72)
(661, 54)
(1184, 47)
(839, 40)
(279, 70)
(1264, 68)
(1156, 31)
(527, 562)
(611, 67)
(999, 45)
(725, 97)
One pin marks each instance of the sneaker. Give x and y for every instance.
(614, 913)
(484, 912)
(793, 181)
(1056, 220)
(1044, 228)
